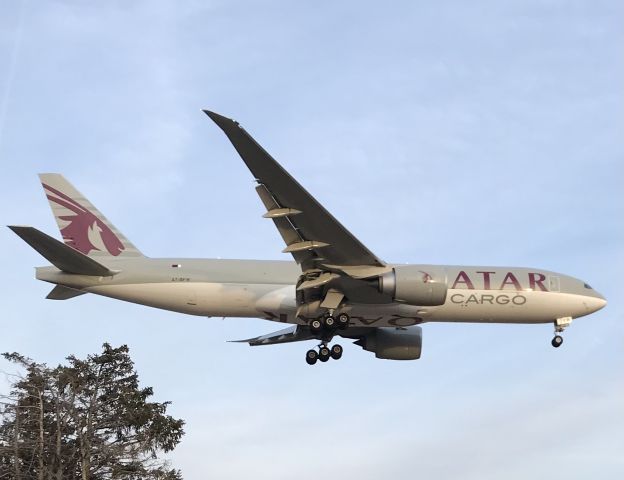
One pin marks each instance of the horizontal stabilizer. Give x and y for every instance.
(63, 257)
(61, 292)
(296, 333)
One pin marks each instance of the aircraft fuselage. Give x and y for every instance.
(266, 289)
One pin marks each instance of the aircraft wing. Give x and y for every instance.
(312, 235)
(301, 333)
(296, 333)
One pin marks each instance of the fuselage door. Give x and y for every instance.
(553, 283)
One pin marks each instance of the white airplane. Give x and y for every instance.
(334, 287)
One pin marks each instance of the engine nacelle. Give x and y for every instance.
(394, 343)
(422, 286)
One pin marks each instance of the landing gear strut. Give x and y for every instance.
(560, 326)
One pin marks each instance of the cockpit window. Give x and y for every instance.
(588, 286)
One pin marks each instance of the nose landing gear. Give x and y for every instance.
(560, 326)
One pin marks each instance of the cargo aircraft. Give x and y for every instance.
(335, 287)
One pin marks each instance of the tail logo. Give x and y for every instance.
(84, 232)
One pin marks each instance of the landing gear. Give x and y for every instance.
(560, 326)
(324, 354)
(324, 328)
(311, 357)
(329, 322)
(316, 325)
(336, 352)
(343, 321)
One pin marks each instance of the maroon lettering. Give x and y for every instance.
(486, 279)
(537, 282)
(510, 279)
(462, 277)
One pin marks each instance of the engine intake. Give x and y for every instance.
(394, 343)
(414, 285)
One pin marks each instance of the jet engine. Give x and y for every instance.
(393, 343)
(415, 285)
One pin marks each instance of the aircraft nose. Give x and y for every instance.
(595, 302)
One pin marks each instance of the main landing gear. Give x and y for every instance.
(560, 326)
(325, 327)
(329, 323)
(324, 353)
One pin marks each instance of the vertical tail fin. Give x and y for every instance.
(82, 225)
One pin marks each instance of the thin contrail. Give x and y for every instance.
(11, 72)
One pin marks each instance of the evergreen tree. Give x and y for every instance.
(87, 419)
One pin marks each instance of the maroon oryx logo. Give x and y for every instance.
(85, 232)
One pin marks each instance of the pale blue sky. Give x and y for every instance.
(437, 132)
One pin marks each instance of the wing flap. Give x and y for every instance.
(283, 224)
(319, 281)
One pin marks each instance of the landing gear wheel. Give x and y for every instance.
(329, 321)
(323, 354)
(311, 357)
(316, 325)
(343, 321)
(557, 341)
(336, 352)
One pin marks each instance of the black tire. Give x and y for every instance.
(329, 321)
(343, 321)
(311, 357)
(557, 341)
(336, 352)
(316, 325)
(323, 354)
